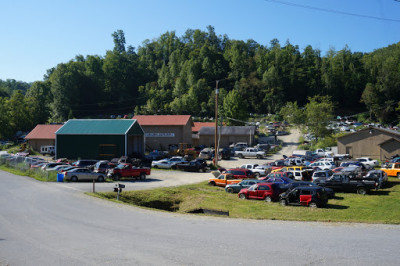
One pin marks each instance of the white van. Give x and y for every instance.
(48, 150)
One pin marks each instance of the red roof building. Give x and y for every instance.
(198, 125)
(164, 132)
(42, 135)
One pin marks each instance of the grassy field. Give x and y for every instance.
(377, 207)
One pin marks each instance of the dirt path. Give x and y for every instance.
(290, 143)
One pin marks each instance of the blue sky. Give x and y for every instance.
(37, 35)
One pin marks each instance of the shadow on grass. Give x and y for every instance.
(336, 207)
(379, 192)
(391, 184)
(338, 198)
(134, 180)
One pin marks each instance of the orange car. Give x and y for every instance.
(391, 169)
(223, 179)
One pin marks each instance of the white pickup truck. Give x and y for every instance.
(250, 152)
(323, 153)
(368, 162)
(258, 170)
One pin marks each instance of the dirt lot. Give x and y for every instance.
(168, 178)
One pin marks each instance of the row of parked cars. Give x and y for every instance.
(291, 184)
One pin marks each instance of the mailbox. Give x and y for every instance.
(118, 187)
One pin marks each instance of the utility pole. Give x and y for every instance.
(216, 125)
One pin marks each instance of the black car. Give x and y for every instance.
(192, 166)
(330, 192)
(304, 196)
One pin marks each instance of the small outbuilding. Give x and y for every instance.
(374, 142)
(99, 139)
(42, 135)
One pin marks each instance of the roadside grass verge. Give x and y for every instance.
(380, 206)
(36, 174)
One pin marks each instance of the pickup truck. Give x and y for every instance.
(391, 169)
(343, 182)
(250, 152)
(223, 179)
(128, 170)
(323, 153)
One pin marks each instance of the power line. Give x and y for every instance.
(332, 10)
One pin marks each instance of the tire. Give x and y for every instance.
(212, 183)
(268, 199)
(361, 190)
(74, 179)
(283, 202)
(117, 177)
(259, 156)
(398, 175)
(142, 176)
(313, 204)
(241, 156)
(229, 190)
(242, 196)
(257, 175)
(100, 178)
(155, 166)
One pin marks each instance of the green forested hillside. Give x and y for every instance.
(177, 75)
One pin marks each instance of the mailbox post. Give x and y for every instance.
(118, 188)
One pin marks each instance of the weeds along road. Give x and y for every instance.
(47, 224)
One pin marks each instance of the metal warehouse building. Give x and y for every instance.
(99, 139)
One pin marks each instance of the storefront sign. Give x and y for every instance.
(159, 135)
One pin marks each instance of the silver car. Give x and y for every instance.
(83, 174)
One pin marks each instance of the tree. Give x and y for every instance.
(234, 107)
(119, 41)
(318, 113)
(293, 114)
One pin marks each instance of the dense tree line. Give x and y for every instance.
(177, 75)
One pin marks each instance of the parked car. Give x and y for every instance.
(83, 174)
(128, 170)
(342, 182)
(206, 154)
(391, 169)
(265, 191)
(103, 166)
(330, 192)
(192, 166)
(368, 162)
(84, 163)
(315, 197)
(278, 175)
(283, 182)
(250, 153)
(223, 180)
(258, 170)
(321, 175)
(239, 173)
(378, 176)
(155, 155)
(235, 188)
(322, 165)
(163, 164)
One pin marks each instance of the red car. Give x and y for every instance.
(263, 191)
(239, 173)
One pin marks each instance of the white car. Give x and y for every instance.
(367, 162)
(163, 164)
(258, 170)
(323, 165)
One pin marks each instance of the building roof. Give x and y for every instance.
(99, 127)
(228, 130)
(385, 131)
(43, 132)
(198, 125)
(163, 120)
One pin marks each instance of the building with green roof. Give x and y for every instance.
(99, 139)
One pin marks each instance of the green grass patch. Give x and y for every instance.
(36, 174)
(378, 207)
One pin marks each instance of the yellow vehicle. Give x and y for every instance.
(184, 149)
(391, 169)
(291, 168)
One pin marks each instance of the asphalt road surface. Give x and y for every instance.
(51, 224)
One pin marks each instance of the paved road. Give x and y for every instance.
(48, 224)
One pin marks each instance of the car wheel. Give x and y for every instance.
(259, 156)
(117, 177)
(142, 176)
(398, 175)
(212, 183)
(361, 191)
(283, 202)
(100, 178)
(229, 190)
(257, 175)
(268, 199)
(313, 205)
(242, 196)
(174, 167)
(74, 179)
(155, 166)
(241, 156)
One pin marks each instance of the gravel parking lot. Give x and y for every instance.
(170, 178)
